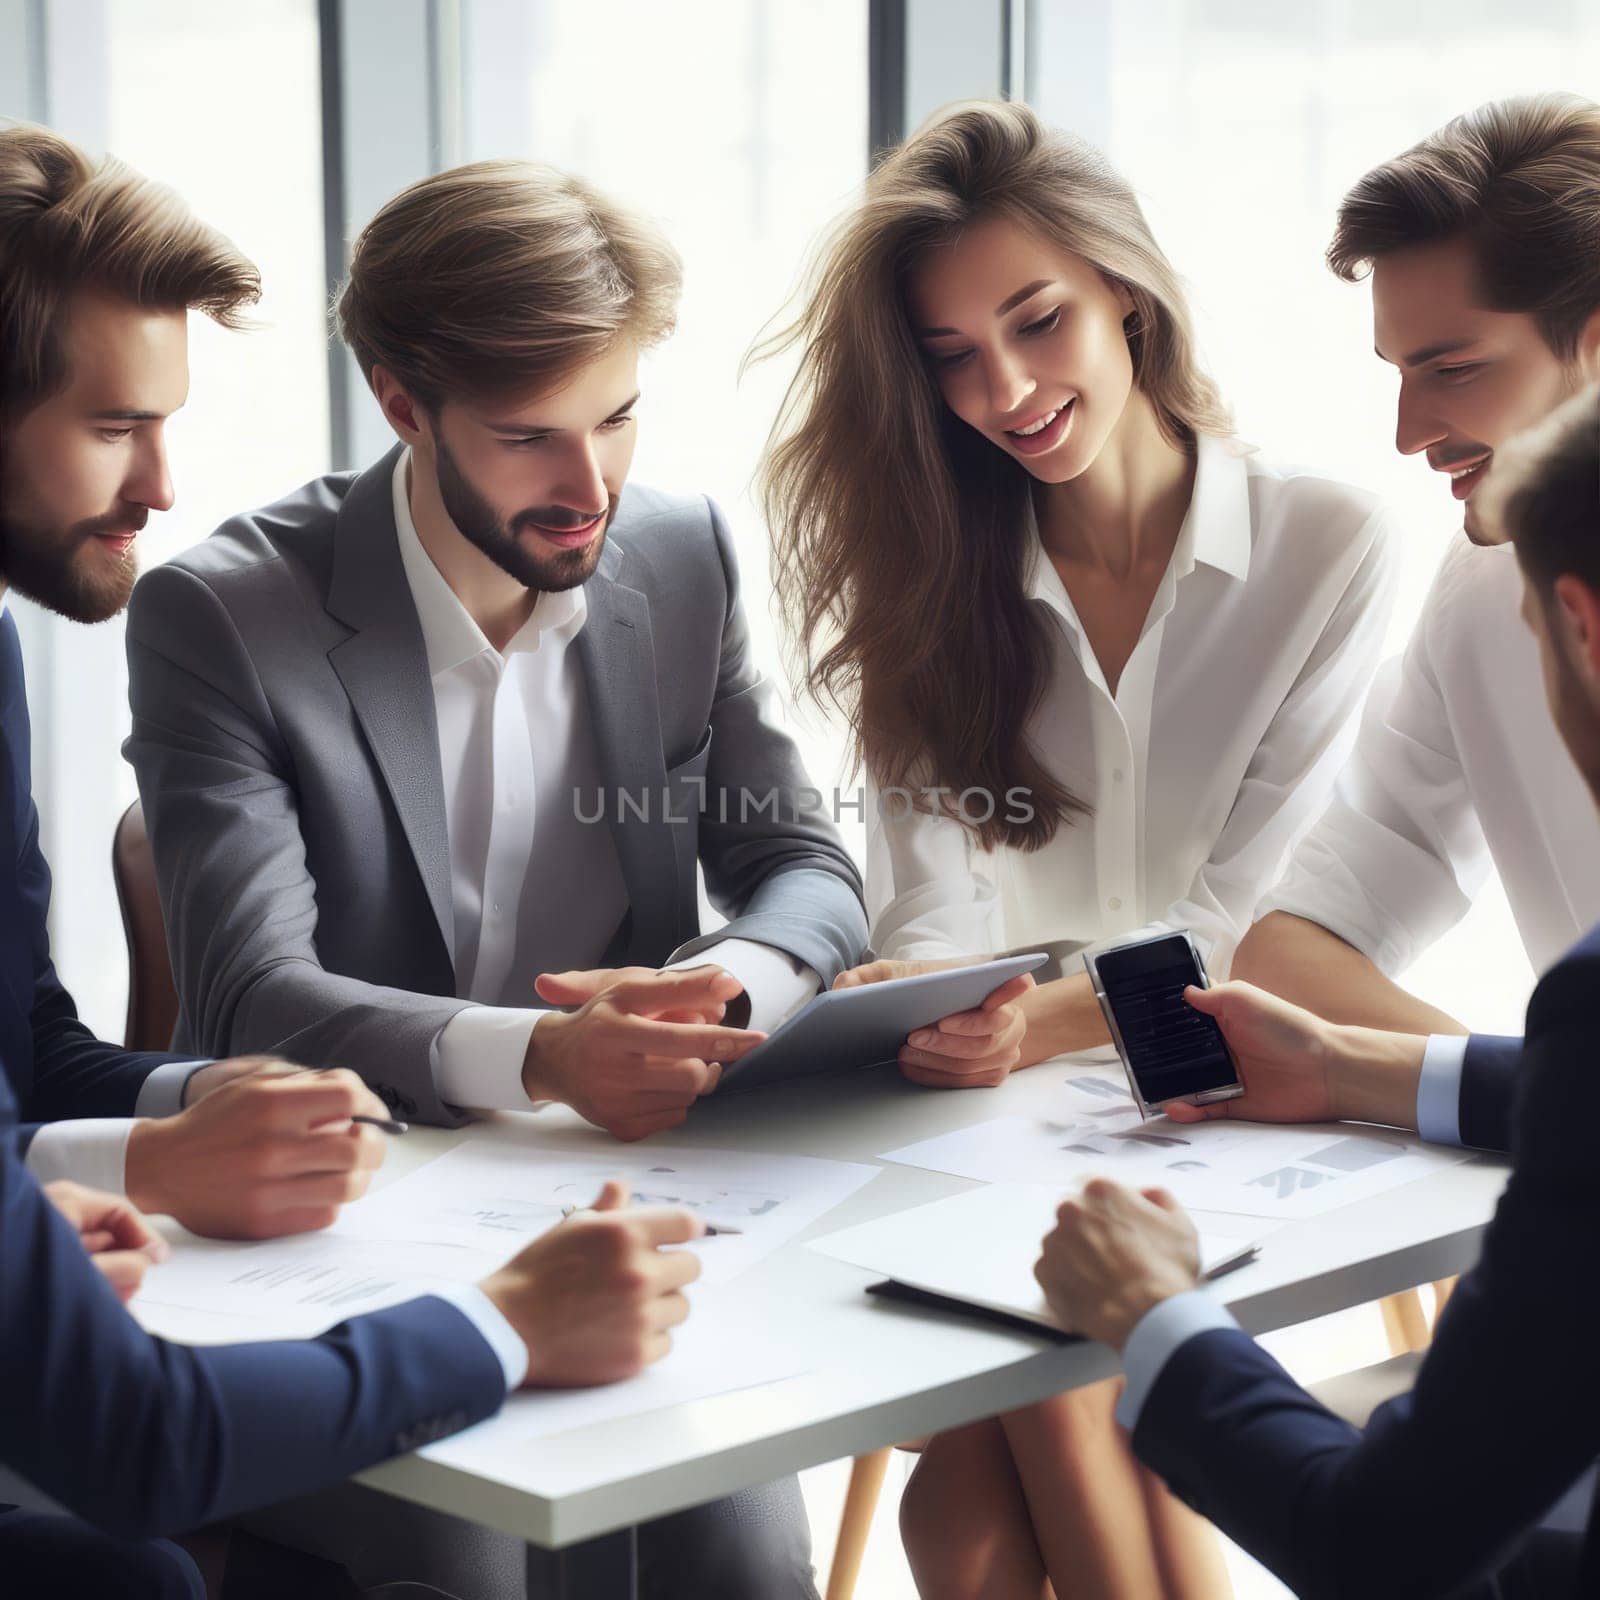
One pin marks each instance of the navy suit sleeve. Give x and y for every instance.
(1423, 1502)
(73, 1074)
(1489, 1072)
(143, 1437)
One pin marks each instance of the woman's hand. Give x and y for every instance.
(975, 1049)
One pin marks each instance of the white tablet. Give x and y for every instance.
(843, 1029)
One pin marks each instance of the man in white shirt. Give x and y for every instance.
(423, 747)
(1486, 297)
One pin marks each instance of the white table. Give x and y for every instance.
(884, 1372)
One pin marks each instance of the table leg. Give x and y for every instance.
(606, 1568)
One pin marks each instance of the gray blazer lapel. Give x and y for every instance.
(616, 652)
(383, 666)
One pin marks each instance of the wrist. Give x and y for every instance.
(1060, 1016)
(1372, 1075)
(538, 1068)
(500, 1291)
(1140, 1300)
(145, 1164)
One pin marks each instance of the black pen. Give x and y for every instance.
(384, 1124)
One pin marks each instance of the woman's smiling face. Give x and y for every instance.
(1026, 343)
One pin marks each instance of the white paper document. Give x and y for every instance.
(1254, 1169)
(494, 1195)
(717, 1351)
(212, 1292)
(460, 1217)
(980, 1247)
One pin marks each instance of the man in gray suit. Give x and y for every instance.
(413, 742)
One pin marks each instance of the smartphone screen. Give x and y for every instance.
(1172, 1048)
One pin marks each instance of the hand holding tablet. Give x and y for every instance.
(868, 1020)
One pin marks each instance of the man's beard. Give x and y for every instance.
(483, 526)
(64, 572)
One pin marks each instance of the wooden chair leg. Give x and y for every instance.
(860, 1502)
(1404, 1322)
(1442, 1291)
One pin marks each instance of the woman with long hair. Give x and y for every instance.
(1099, 659)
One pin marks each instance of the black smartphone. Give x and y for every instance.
(1169, 1050)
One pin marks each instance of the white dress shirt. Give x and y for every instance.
(1218, 749)
(1458, 764)
(534, 888)
(94, 1150)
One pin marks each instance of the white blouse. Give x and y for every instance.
(1219, 749)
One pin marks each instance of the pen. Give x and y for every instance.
(384, 1124)
(712, 1229)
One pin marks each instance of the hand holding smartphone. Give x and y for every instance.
(1169, 1050)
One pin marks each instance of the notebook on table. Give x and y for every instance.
(974, 1253)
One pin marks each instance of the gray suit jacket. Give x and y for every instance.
(287, 752)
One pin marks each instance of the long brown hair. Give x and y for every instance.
(897, 530)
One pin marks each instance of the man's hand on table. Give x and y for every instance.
(261, 1149)
(977, 1049)
(120, 1242)
(640, 1049)
(1114, 1254)
(595, 1298)
(1295, 1067)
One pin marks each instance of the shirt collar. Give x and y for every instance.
(1218, 526)
(1216, 530)
(449, 633)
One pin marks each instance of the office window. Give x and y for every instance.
(741, 127)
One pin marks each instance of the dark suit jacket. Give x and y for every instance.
(54, 1066)
(144, 1437)
(1446, 1481)
(287, 749)
(137, 1435)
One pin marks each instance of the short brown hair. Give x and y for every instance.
(1544, 493)
(68, 223)
(1519, 180)
(501, 278)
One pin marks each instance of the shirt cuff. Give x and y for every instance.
(1155, 1339)
(161, 1094)
(1439, 1088)
(478, 1056)
(777, 984)
(486, 1317)
(89, 1150)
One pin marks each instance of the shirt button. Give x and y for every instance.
(1116, 776)
(496, 907)
(1114, 902)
